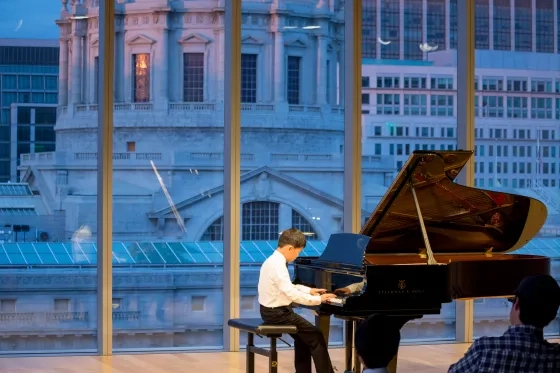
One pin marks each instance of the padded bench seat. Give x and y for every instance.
(258, 327)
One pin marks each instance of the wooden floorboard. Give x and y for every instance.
(412, 359)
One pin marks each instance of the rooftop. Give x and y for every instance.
(159, 254)
(24, 42)
(484, 59)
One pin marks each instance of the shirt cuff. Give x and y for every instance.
(304, 289)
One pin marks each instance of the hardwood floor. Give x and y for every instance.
(412, 359)
(417, 359)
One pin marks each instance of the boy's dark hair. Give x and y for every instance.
(376, 341)
(292, 237)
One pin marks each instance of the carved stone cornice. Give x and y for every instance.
(186, 277)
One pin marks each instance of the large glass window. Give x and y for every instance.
(413, 24)
(193, 77)
(420, 118)
(390, 38)
(48, 250)
(523, 25)
(294, 80)
(435, 22)
(544, 26)
(141, 67)
(292, 136)
(168, 155)
(249, 78)
(168, 186)
(516, 156)
(502, 25)
(369, 28)
(482, 24)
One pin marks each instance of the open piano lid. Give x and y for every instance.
(458, 219)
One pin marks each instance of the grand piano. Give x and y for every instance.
(428, 242)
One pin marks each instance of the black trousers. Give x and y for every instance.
(308, 342)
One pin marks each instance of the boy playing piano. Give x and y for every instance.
(277, 293)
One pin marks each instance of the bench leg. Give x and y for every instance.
(250, 354)
(273, 359)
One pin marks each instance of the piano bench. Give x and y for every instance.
(258, 327)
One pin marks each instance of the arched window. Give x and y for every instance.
(260, 222)
(301, 223)
(215, 232)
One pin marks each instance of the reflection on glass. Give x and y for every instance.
(292, 133)
(168, 178)
(48, 212)
(408, 105)
(517, 131)
(141, 77)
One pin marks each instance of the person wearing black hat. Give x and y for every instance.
(376, 343)
(522, 348)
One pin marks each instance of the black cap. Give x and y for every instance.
(539, 291)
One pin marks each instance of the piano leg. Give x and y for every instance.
(323, 322)
(351, 359)
(348, 346)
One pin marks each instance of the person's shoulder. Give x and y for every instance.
(489, 343)
(269, 261)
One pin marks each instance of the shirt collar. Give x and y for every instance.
(529, 330)
(280, 256)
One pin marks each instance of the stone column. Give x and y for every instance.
(321, 70)
(341, 79)
(279, 67)
(216, 54)
(221, 66)
(160, 79)
(118, 73)
(76, 91)
(63, 74)
(284, 217)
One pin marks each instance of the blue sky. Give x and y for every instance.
(37, 18)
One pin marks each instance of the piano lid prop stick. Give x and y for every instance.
(431, 259)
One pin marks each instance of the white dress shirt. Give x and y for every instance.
(276, 288)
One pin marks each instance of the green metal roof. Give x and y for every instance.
(178, 253)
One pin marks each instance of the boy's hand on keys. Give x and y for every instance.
(325, 297)
(315, 291)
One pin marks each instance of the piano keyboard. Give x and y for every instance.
(337, 301)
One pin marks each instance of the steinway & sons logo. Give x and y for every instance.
(401, 290)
